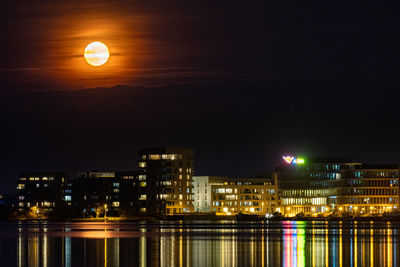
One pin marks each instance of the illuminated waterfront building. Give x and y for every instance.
(94, 193)
(230, 196)
(311, 186)
(326, 185)
(167, 180)
(370, 189)
(40, 193)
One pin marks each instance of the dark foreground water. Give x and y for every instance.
(225, 243)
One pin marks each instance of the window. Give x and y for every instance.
(170, 156)
(67, 198)
(142, 197)
(154, 157)
(142, 164)
(20, 186)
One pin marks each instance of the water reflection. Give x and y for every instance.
(200, 244)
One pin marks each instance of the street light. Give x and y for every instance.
(105, 210)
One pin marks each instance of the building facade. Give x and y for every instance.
(96, 194)
(41, 193)
(333, 185)
(370, 189)
(311, 186)
(231, 196)
(167, 180)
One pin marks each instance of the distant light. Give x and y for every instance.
(293, 160)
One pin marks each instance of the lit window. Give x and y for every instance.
(67, 198)
(170, 156)
(142, 164)
(142, 177)
(142, 184)
(154, 157)
(45, 179)
(20, 186)
(142, 197)
(116, 184)
(115, 204)
(22, 179)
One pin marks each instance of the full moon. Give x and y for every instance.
(96, 53)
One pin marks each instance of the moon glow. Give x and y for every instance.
(96, 54)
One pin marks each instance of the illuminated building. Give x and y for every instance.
(202, 192)
(41, 192)
(230, 196)
(129, 191)
(166, 180)
(313, 186)
(96, 193)
(325, 185)
(370, 189)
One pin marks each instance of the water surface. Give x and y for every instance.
(222, 243)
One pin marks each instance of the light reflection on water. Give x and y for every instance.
(227, 243)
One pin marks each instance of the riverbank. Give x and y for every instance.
(213, 217)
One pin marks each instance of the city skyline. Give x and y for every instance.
(264, 79)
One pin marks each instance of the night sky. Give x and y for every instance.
(240, 82)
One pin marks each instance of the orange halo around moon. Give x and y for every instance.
(96, 54)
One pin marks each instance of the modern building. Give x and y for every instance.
(311, 186)
(230, 196)
(328, 185)
(370, 188)
(167, 180)
(131, 188)
(41, 193)
(96, 193)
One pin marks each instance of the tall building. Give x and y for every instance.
(41, 193)
(312, 185)
(167, 180)
(230, 196)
